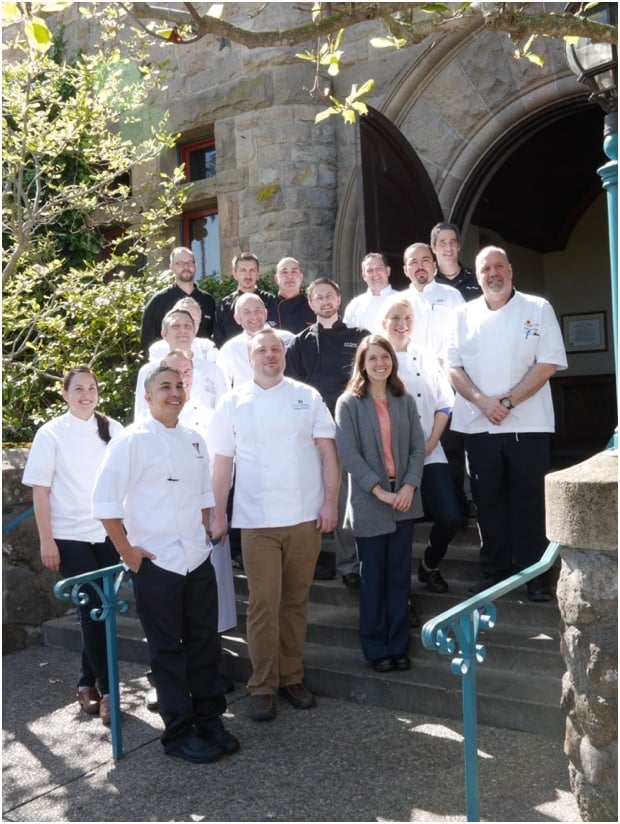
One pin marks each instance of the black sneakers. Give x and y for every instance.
(432, 578)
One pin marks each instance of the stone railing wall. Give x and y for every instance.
(27, 586)
(582, 516)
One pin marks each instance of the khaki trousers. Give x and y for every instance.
(279, 563)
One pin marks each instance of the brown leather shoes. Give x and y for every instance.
(104, 710)
(262, 707)
(89, 699)
(298, 695)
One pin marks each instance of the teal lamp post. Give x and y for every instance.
(596, 66)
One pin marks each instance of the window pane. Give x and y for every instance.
(204, 241)
(201, 163)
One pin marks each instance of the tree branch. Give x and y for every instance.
(511, 18)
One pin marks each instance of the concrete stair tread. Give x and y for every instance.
(435, 673)
(506, 700)
(519, 681)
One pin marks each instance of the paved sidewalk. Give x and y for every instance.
(337, 762)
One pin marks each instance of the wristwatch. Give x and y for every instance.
(507, 403)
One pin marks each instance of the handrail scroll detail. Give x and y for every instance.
(106, 582)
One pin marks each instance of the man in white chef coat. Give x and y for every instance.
(280, 437)
(153, 495)
(502, 350)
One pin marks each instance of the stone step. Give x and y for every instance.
(513, 608)
(506, 699)
(519, 681)
(533, 650)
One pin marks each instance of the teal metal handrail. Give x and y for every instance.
(18, 520)
(456, 631)
(106, 582)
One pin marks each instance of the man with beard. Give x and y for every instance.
(503, 349)
(183, 265)
(322, 356)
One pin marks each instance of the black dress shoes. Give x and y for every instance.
(402, 662)
(197, 750)
(220, 737)
(351, 580)
(414, 621)
(432, 578)
(382, 664)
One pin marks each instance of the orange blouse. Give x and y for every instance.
(385, 425)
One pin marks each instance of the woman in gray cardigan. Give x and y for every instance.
(381, 446)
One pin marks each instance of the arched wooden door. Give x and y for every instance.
(400, 205)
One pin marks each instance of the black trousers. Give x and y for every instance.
(179, 618)
(454, 446)
(509, 491)
(76, 558)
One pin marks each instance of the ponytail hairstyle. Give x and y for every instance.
(103, 422)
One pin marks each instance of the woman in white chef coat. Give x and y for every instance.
(61, 468)
(420, 371)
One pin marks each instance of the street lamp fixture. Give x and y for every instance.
(596, 66)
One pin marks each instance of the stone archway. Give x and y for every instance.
(454, 112)
(471, 128)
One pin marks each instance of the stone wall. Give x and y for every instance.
(27, 586)
(582, 515)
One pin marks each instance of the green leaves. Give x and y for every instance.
(38, 35)
(527, 53)
(390, 42)
(328, 54)
(84, 207)
(351, 108)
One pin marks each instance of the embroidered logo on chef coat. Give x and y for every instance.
(299, 404)
(530, 328)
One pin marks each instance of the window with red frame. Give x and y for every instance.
(135, 268)
(201, 234)
(199, 159)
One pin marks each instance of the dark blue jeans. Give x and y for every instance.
(77, 557)
(385, 570)
(509, 492)
(441, 503)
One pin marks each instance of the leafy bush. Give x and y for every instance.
(92, 322)
(219, 287)
(79, 158)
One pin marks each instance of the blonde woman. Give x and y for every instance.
(426, 382)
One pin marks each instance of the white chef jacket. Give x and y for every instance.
(365, 311)
(158, 480)
(426, 382)
(201, 347)
(234, 360)
(442, 301)
(64, 456)
(496, 348)
(271, 435)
